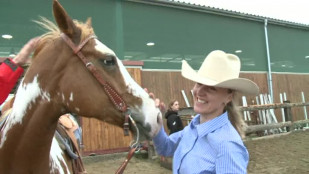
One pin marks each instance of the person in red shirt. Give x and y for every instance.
(11, 70)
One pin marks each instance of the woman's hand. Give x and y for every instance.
(158, 103)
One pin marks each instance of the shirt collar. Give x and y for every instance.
(209, 126)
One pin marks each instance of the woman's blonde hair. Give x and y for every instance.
(235, 117)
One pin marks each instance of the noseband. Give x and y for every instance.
(113, 95)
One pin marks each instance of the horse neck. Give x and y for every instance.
(26, 138)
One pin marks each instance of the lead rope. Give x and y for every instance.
(133, 147)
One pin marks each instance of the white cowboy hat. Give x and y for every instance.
(220, 70)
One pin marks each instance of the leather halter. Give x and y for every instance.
(116, 99)
(113, 95)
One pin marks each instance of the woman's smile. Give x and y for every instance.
(200, 100)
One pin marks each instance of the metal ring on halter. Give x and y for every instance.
(88, 64)
(134, 144)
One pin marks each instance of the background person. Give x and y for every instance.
(212, 142)
(174, 123)
(71, 125)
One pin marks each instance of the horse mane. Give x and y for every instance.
(53, 31)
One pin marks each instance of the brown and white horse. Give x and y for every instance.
(88, 80)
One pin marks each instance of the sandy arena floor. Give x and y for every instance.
(285, 154)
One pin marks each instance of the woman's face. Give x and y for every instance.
(210, 101)
(175, 106)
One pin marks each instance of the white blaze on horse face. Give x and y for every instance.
(133, 87)
(148, 109)
(103, 48)
(56, 158)
(26, 94)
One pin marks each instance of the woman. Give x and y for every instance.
(212, 142)
(174, 123)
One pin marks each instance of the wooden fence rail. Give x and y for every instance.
(190, 111)
(254, 128)
(271, 106)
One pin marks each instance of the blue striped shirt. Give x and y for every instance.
(211, 147)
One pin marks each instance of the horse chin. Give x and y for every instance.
(144, 137)
(142, 134)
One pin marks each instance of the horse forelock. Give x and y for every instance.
(53, 32)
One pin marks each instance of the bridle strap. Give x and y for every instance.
(125, 163)
(113, 95)
(75, 48)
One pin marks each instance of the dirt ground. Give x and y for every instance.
(282, 155)
(285, 154)
(108, 164)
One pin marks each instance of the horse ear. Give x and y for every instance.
(65, 23)
(89, 22)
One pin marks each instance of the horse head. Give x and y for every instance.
(66, 80)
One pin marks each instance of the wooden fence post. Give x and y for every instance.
(288, 115)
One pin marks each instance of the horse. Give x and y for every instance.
(71, 72)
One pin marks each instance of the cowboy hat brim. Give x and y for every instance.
(239, 84)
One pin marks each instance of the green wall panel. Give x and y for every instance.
(181, 34)
(17, 17)
(288, 49)
(178, 34)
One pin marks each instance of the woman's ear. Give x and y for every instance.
(230, 97)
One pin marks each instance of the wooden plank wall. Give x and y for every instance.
(293, 85)
(103, 138)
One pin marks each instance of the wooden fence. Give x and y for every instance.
(184, 112)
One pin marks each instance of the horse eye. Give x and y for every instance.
(108, 61)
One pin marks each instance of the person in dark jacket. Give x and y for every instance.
(174, 123)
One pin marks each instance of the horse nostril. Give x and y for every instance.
(158, 118)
